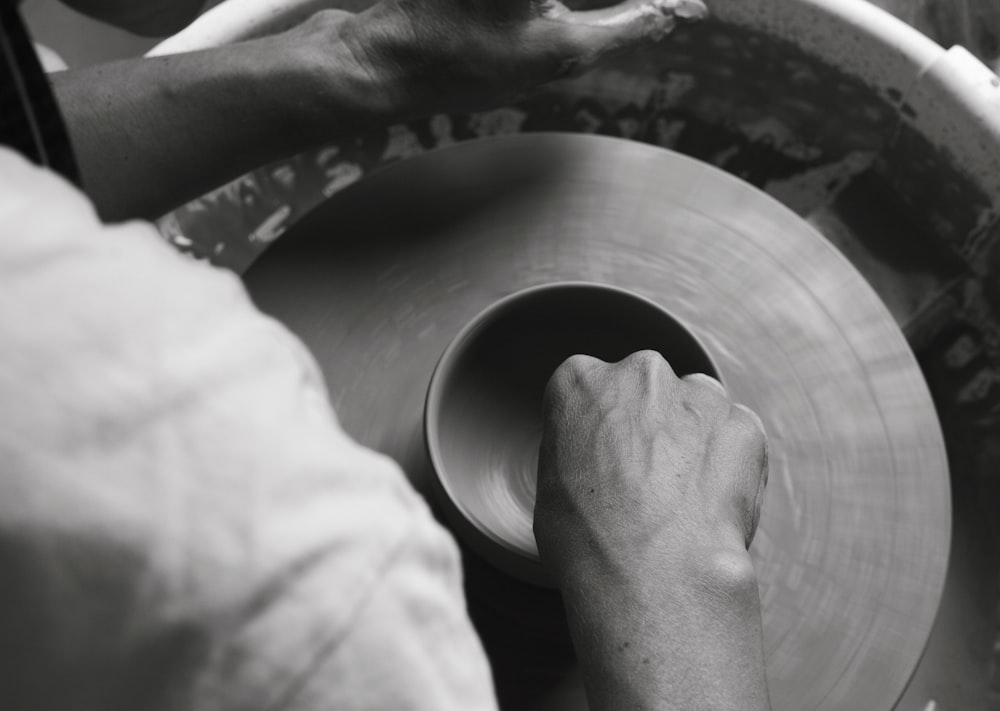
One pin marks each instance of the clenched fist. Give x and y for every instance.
(640, 466)
(467, 54)
(649, 494)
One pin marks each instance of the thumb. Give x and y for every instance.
(628, 24)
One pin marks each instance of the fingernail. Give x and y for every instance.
(690, 10)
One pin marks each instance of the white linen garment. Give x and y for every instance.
(183, 524)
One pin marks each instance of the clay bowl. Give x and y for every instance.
(483, 413)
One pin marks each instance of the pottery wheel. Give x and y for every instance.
(853, 542)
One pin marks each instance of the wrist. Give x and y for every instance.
(709, 555)
(345, 59)
(416, 63)
(715, 579)
(722, 577)
(330, 86)
(654, 639)
(626, 631)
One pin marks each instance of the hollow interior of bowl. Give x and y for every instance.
(489, 414)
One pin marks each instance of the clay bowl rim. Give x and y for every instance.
(479, 538)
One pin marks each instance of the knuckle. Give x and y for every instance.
(553, 393)
(748, 422)
(702, 380)
(748, 430)
(708, 397)
(646, 360)
(569, 373)
(646, 356)
(650, 368)
(577, 366)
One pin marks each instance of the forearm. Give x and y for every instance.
(150, 134)
(687, 641)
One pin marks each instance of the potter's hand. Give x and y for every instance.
(649, 493)
(465, 54)
(640, 465)
(150, 134)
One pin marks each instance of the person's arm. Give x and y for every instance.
(183, 523)
(152, 133)
(691, 641)
(649, 493)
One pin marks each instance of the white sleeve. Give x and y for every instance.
(183, 524)
(406, 642)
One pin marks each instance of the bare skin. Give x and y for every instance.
(152, 133)
(649, 493)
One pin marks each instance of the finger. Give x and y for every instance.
(742, 412)
(649, 370)
(704, 402)
(570, 373)
(751, 439)
(629, 24)
(638, 13)
(646, 359)
(579, 364)
(701, 379)
(753, 436)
